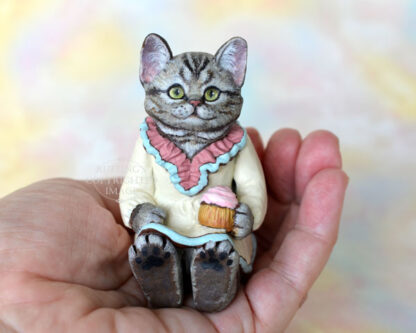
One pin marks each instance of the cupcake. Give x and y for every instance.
(217, 208)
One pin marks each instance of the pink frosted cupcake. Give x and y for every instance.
(217, 208)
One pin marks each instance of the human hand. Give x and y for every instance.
(243, 221)
(63, 251)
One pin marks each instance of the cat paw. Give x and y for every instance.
(155, 264)
(243, 221)
(146, 213)
(152, 251)
(217, 256)
(214, 275)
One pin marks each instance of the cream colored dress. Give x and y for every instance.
(151, 178)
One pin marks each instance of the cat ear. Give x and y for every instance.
(232, 56)
(154, 55)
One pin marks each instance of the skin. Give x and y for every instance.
(63, 251)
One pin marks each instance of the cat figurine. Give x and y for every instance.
(192, 153)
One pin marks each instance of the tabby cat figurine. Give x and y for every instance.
(194, 190)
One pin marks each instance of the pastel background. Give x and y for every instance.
(71, 104)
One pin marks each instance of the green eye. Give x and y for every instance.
(176, 92)
(211, 94)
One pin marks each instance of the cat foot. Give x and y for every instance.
(214, 274)
(155, 264)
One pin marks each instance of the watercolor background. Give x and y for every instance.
(71, 103)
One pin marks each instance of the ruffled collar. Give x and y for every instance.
(190, 176)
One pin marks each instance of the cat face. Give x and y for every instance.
(193, 91)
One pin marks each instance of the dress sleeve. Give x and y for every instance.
(138, 184)
(251, 185)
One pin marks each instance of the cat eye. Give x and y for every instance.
(211, 94)
(176, 92)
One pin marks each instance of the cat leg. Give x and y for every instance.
(157, 268)
(215, 275)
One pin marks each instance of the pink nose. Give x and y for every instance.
(195, 102)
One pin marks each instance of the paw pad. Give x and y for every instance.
(215, 259)
(150, 257)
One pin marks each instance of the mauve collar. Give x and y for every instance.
(190, 176)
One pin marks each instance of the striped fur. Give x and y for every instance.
(193, 128)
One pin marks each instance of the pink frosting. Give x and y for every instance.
(221, 196)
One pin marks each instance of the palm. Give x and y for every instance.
(63, 251)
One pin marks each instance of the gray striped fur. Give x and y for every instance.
(191, 128)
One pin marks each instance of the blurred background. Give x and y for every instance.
(71, 104)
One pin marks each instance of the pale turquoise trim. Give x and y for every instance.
(198, 241)
(173, 170)
(183, 240)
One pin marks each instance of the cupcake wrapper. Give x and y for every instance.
(216, 217)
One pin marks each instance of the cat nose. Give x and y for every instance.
(194, 102)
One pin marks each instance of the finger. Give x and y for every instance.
(319, 150)
(279, 164)
(280, 288)
(279, 168)
(106, 191)
(257, 141)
